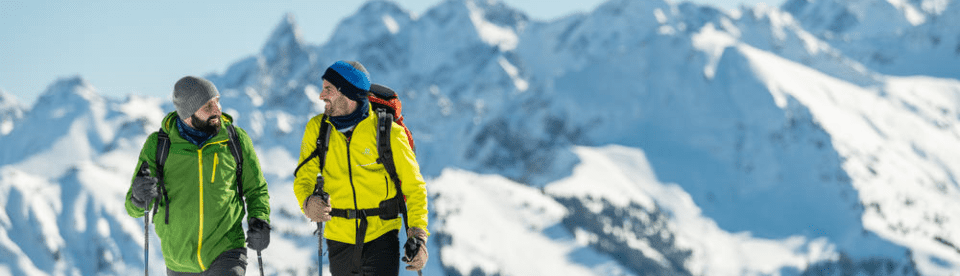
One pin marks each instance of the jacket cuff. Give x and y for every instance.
(138, 203)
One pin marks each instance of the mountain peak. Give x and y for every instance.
(69, 90)
(498, 13)
(285, 41)
(633, 16)
(381, 6)
(495, 23)
(373, 20)
(621, 6)
(10, 111)
(6, 99)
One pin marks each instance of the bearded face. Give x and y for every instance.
(335, 103)
(210, 126)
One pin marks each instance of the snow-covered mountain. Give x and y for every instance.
(643, 137)
(895, 37)
(10, 112)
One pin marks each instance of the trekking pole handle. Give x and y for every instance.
(318, 189)
(144, 171)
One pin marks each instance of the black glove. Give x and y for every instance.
(412, 248)
(258, 235)
(415, 250)
(144, 190)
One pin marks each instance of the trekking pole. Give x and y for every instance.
(260, 259)
(318, 190)
(146, 241)
(145, 172)
(320, 247)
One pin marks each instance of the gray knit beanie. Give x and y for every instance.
(191, 93)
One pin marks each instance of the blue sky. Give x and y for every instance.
(143, 47)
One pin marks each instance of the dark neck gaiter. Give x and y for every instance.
(195, 137)
(350, 120)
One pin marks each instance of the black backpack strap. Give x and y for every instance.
(235, 150)
(384, 124)
(163, 149)
(323, 141)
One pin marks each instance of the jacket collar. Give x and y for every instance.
(169, 125)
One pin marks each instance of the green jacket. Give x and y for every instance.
(205, 209)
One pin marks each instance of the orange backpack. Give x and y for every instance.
(383, 98)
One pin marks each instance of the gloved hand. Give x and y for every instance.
(144, 190)
(316, 209)
(415, 250)
(258, 234)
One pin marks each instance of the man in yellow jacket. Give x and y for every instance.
(362, 225)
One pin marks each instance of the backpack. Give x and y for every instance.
(383, 98)
(385, 102)
(163, 148)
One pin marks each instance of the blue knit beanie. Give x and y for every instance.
(351, 78)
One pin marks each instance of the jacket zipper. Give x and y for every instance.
(352, 186)
(200, 231)
(216, 161)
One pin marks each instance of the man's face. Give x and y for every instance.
(335, 103)
(207, 118)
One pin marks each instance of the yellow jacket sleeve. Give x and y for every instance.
(413, 185)
(306, 178)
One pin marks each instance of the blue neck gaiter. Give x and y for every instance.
(350, 120)
(194, 136)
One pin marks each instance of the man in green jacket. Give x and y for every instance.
(200, 213)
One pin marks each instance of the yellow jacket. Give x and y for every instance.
(355, 180)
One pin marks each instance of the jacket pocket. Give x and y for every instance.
(372, 167)
(216, 162)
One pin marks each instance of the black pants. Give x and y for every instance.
(231, 262)
(380, 256)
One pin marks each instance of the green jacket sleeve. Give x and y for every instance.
(147, 154)
(255, 190)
